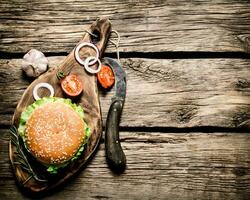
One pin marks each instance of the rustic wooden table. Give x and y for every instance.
(186, 121)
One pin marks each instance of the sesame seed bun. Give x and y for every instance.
(54, 133)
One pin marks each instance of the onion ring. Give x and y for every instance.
(79, 60)
(89, 69)
(43, 85)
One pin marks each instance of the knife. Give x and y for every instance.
(114, 154)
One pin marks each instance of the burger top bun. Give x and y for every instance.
(54, 133)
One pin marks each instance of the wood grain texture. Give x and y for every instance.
(162, 93)
(89, 100)
(159, 166)
(145, 26)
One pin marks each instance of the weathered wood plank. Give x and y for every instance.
(162, 93)
(159, 166)
(145, 26)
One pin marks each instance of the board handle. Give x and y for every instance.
(115, 156)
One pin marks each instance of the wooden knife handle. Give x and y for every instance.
(114, 153)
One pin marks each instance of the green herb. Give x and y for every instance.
(21, 159)
(60, 75)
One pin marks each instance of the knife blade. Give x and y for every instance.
(114, 153)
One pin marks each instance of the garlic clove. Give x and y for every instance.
(34, 63)
(28, 69)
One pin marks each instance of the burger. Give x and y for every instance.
(54, 132)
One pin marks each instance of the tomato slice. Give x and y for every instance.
(106, 77)
(72, 85)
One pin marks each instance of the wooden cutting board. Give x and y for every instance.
(89, 100)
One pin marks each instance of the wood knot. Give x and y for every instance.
(245, 41)
(185, 113)
(242, 84)
(242, 117)
(239, 171)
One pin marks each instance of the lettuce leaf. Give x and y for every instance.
(53, 169)
(81, 149)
